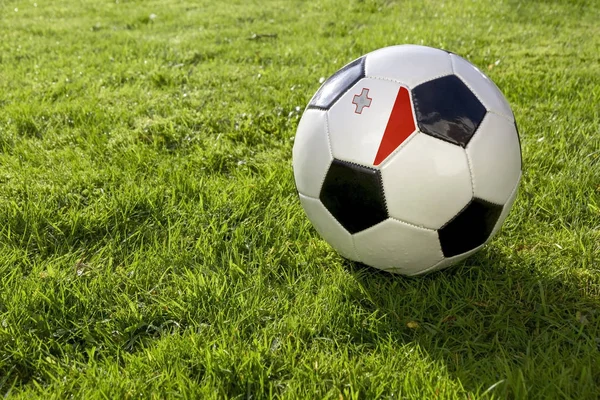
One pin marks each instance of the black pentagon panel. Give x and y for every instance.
(447, 109)
(353, 194)
(470, 228)
(337, 84)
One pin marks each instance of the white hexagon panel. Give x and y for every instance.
(486, 91)
(427, 182)
(311, 155)
(410, 65)
(398, 247)
(495, 156)
(328, 227)
(370, 121)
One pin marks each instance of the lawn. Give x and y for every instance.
(152, 244)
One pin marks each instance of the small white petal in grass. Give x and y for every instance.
(152, 16)
(297, 108)
(4, 323)
(35, 4)
(558, 245)
(275, 344)
(16, 10)
(321, 79)
(541, 139)
(258, 76)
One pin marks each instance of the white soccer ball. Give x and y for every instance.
(407, 159)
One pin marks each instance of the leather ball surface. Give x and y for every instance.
(407, 159)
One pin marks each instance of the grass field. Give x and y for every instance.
(152, 244)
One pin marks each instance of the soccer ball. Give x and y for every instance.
(407, 159)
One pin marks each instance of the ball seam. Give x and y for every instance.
(501, 115)
(381, 78)
(411, 224)
(469, 163)
(329, 149)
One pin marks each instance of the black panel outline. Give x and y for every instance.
(351, 64)
(510, 121)
(519, 140)
(357, 259)
(449, 52)
(443, 137)
(474, 199)
(511, 117)
(499, 210)
(354, 166)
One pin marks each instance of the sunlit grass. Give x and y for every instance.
(152, 243)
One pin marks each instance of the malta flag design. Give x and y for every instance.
(370, 121)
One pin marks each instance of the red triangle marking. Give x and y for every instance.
(399, 127)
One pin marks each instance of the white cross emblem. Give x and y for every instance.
(361, 100)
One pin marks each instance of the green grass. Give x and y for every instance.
(152, 244)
